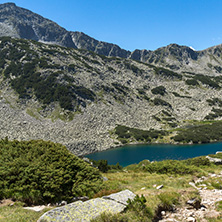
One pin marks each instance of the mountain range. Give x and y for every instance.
(90, 95)
(22, 23)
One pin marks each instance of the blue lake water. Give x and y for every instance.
(135, 153)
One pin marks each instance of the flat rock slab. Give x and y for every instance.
(121, 197)
(85, 211)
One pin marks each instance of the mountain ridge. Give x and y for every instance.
(22, 23)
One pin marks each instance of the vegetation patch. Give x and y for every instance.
(120, 88)
(215, 102)
(37, 172)
(161, 102)
(35, 74)
(180, 96)
(200, 134)
(126, 134)
(161, 90)
(206, 80)
(174, 167)
(132, 67)
(167, 73)
(214, 114)
(192, 82)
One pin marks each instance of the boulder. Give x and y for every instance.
(214, 160)
(194, 203)
(85, 211)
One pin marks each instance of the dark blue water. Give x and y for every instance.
(135, 153)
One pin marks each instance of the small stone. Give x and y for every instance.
(143, 188)
(105, 178)
(163, 213)
(159, 187)
(191, 219)
(202, 208)
(194, 203)
(63, 202)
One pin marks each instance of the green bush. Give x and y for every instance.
(192, 82)
(138, 206)
(167, 73)
(125, 132)
(200, 161)
(44, 172)
(161, 102)
(200, 134)
(170, 167)
(207, 80)
(168, 200)
(161, 90)
(215, 102)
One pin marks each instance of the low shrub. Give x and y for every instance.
(161, 102)
(125, 133)
(200, 134)
(138, 206)
(44, 172)
(171, 167)
(168, 200)
(161, 90)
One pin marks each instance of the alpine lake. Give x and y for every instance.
(131, 154)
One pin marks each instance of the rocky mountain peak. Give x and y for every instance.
(8, 4)
(21, 23)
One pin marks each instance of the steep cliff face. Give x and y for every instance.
(22, 23)
(83, 41)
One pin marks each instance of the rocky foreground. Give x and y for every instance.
(85, 211)
(195, 209)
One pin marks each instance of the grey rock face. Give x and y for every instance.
(85, 211)
(22, 23)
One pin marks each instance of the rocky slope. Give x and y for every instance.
(65, 92)
(77, 97)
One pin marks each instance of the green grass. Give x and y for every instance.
(18, 214)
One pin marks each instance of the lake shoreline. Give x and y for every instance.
(147, 144)
(134, 153)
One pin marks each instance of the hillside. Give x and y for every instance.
(79, 98)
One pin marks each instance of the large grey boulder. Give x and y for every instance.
(85, 211)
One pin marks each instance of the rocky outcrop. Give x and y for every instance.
(85, 211)
(217, 161)
(22, 23)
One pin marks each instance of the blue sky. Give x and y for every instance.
(137, 24)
